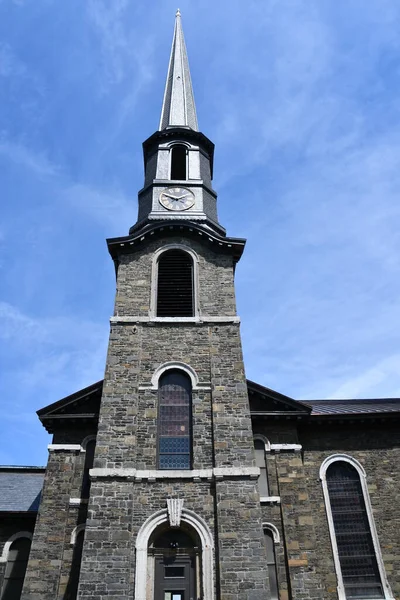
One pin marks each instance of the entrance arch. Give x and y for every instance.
(144, 572)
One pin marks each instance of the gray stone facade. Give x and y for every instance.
(217, 500)
(127, 434)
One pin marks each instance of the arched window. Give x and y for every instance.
(353, 535)
(259, 448)
(178, 162)
(271, 563)
(175, 296)
(73, 582)
(89, 459)
(14, 575)
(174, 421)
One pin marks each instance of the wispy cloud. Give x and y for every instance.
(44, 359)
(301, 101)
(21, 155)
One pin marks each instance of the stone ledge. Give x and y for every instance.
(283, 447)
(161, 320)
(77, 502)
(65, 448)
(157, 474)
(224, 472)
(270, 500)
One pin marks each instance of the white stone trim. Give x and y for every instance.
(284, 448)
(270, 499)
(197, 319)
(170, 145)
(180, 366)
(223, 472)
(154, 275)
(151, 474)
(262, 438)
(64, 448)
(156, 474)
(176, 365)
(78, 501)
(86, 440)
(363, 479)
(275, 533)
(142, 542)
(9, 542)
(174, 507)
(75, 532)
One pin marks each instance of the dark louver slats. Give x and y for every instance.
(175, 285)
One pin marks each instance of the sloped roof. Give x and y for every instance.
(264, 402)
(81, 407)
(354, 407)
(20, 488)
(84, 406)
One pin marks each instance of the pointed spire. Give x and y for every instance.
(178, 109)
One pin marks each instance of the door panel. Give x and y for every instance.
(174, 577)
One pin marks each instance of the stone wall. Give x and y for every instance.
(216, 294)
(377, 448)
(305, 561)
(223, 452)
(50, 561)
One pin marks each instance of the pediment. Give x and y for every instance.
(267, 402)
(81, 406)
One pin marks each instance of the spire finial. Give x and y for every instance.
(178, 109)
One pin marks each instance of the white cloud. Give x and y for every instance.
(380, 380)
(111, 209)
(26, 158)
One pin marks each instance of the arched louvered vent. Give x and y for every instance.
(175, 285)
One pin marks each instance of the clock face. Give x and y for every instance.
(177, 198)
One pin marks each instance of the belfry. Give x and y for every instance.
(175, 478)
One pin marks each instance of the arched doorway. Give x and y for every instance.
(146, 548)
(176, 556)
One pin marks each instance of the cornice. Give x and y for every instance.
(140, 238)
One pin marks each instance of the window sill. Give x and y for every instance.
(270, 500)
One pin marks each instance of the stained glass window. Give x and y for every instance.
(357, 556)
(174, 421)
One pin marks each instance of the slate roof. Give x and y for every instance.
(20, 488)
(353, 407)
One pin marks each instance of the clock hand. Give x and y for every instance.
(170, 196)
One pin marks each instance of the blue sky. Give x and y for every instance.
(301, 100)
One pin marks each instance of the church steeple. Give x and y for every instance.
(178, 109)
(178, 158)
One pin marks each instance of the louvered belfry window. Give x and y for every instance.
(174, 421)
(357, 556)
(175, 285)
(178, 162)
